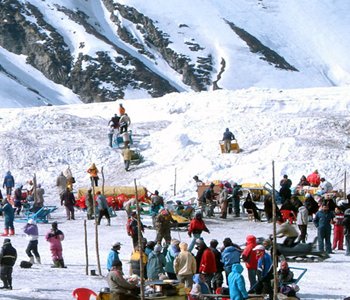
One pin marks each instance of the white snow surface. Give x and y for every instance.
(300, 130)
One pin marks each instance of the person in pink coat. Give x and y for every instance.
(54, 237)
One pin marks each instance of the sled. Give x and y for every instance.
(234, 147)
(118, 141)
(302, 252)
(41, 216)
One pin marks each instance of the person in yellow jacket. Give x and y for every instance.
(127, 157)
(93, 171)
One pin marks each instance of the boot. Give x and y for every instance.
(12, 231)
(61, 263)
(31, 260)
(38, 260)
(6, 232)
(109, 222)
(56, 264)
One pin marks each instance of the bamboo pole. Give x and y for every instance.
(34, 187)
(96, 230)
(274, 246)
(103, 181)
(345, 185)
(139, 235)
(86, 250)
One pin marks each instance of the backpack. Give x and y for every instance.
(25, 264)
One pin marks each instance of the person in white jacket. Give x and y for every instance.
(302, 220)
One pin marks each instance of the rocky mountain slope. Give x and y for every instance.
(103, 50)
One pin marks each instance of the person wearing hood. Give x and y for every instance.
(195, 229)
(9, 183)
(156, 263)
(236, 283)
(185, 266)
(265, 268)
(250, 259)
(230, 254)
(172, 252)
(199, 286)
(32, 233)
(8, 257)
(55, 237)
(302, 221)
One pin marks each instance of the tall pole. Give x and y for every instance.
(175, 183)
(139, 235)
(274, 254)
(103, 181)
(86, 250)
(96, 230)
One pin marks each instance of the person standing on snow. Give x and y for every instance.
(236, 283)
(124, 122)
(250, 259)
(55, 237)
(155, 263)
(185, 266)
(323, 220)
(8, 257)
(302, 221)
(102, 207)
(32, 233)
(227, 138)
(61, 183)
(163, 223)
(127, 157)
(9, 215)
(9, 183)
(195, 229)
(39, 198)
(93, 171)
(68, 200)
(89, 202)
(285, 191)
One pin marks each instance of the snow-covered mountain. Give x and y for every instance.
(70, 51)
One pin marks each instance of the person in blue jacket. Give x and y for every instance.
(9, 214)
(323, 219)
(9, 183)
(236, 283)
(156, 263)
(230, 254)
(113, 255)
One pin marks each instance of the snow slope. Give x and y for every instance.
(299, 130)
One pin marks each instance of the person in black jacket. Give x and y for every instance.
(68, 200)
(8, 257)
(346, 224)
(218, 278)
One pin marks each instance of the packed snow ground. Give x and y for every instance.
(300, 130)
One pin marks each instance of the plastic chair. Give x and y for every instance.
(83, 294)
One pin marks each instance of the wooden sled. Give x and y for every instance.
(234, 147)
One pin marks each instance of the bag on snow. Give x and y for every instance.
(25, 264)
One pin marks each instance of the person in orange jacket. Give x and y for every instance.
(93, 171)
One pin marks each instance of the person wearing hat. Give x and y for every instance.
(250, 259)
(55, 237)
(93, 171)
(195, 229)
(156, 263)
(32, 233)
(264, 272)
(120, 287)
(8, 257)
(185, 265)
(113, 255)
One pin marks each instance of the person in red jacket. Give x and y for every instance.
(250, 259)
(206, 262)
(195, 229)
(314, 179)
(338, 230)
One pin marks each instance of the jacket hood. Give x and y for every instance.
(231, 249)
(237, 268)
(251, 239)
(183, 247)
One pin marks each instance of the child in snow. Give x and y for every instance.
(54, 237)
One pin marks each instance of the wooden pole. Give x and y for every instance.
(139, 235)
(274, 246)
(34, 188)
(86, 250)
(96, 230)
(175, 184)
